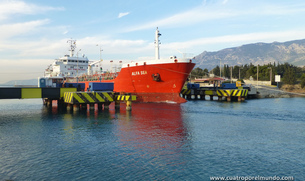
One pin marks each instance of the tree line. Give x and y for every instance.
(289, 73)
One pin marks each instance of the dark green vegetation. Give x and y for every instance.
(290, 74)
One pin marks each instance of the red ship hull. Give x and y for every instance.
(157, 82)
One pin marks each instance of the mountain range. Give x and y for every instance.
(292, 52)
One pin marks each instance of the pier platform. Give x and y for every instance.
(222, 94)
(33, 92)
(100, 98)
(68, 97)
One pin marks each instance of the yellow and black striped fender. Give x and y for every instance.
(185, 91)
(223, 92)
(87, 97)
(125, 97)
(105, 96)
(240, 92)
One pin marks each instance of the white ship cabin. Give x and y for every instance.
(68, 66)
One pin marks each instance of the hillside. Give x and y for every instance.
(32, 82)
(292, 52)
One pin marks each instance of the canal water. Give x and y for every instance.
(192, 141)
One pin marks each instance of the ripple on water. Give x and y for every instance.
(190, 141)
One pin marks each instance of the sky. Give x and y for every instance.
(33, 33)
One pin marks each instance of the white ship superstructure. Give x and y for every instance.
(69, 65)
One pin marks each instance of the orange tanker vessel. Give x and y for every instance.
(158, 80)
(152, 81)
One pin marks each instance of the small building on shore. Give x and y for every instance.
(209, 82)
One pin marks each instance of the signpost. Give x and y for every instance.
(277, 80)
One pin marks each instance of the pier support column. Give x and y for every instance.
(229, 98)
(48, 102)
(117, 104)
(55, 103)
(75, 107)
(189, 96)
(60, 104)
(219, 98)
(106, 105)
(243, 98)
(100, 106)
(202, 97)
(128, 105)
(211, 97)
(69, 107)
(83, 106)
(91, 106)
(196, 96)
(44, 102)
(239, 98)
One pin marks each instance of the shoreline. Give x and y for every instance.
(275, 92)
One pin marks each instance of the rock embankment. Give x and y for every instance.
(272, 92)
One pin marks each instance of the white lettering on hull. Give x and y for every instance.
(143, 72)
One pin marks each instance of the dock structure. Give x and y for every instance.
(99, 98)
(68, 97)
(222, 94)
(33, 92)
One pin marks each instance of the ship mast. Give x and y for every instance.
(157, 42)
(72, 46)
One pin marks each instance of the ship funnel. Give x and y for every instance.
(157, 42)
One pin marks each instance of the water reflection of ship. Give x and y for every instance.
(154, 129)
(150, 119)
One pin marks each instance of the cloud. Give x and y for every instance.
(225, 1)
(193, 16)
(8, 8)
(200, 44)
(11, 30)
(111, 46)
(65, 32)
(123, 14)
(217, 11)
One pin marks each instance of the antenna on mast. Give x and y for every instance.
(157, 42)
(183, 54)
(72, 46)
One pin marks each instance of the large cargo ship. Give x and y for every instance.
(158, 80)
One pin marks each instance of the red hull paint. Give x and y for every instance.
(138, 80)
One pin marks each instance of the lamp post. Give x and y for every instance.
(257, 75)
(239, 72)
(111, 61)
(219, 67)
(77, 66)
(231, 74)
(270, 74)
(100, 52)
